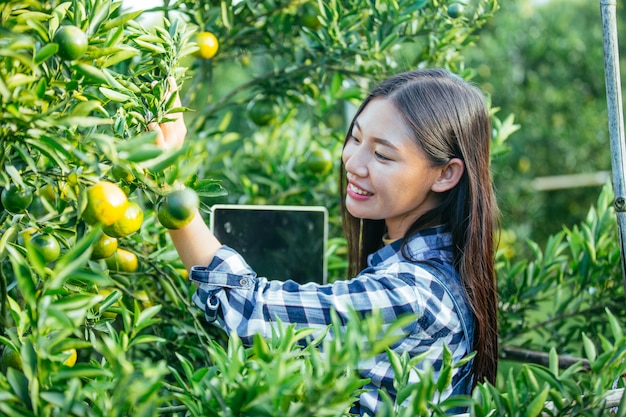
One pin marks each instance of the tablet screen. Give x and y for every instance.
(278, 242)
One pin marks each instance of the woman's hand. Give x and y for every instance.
(195, 243)
(171, 134)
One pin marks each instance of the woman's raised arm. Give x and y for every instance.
(195, 243)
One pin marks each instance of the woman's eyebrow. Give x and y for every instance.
(380, 141)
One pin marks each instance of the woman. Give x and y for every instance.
(419, 214)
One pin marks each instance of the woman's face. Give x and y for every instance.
(388, 175)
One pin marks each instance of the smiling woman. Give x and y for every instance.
(419, 213)
(383, 163)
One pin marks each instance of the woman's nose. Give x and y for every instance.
(355, 162)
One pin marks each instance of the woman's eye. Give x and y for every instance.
(353, 139)
(382, 157)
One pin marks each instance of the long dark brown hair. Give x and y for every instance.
(449, 119)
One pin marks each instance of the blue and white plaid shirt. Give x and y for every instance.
(231, 295)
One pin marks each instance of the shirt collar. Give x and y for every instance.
(426, 244)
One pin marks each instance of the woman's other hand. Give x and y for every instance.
(171, 134)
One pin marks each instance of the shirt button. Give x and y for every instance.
(243, 282)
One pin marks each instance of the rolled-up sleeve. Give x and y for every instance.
(233, 297)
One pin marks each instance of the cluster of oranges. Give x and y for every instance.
(108, 205)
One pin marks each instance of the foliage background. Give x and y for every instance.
(545, 64)
(143, 349)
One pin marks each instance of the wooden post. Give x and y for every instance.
(615, 113)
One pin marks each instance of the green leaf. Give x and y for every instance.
(147, 138)
(91, 73)
(73, 302)
(149, 339)
(162, 161)
(8, 237)
(121, 20)
(261, 348)
(616, 328)
(46, 52)
(51, 148)
(99, 14)
(114, 95)
(24, 277)
(389, 40)
(144, 318)
(537, 405)
(19, 384)
(590, 349)
(83, 121)
(117, 57)
(15, 175)
(73, 260)
(158, 49)
(80, 370)
(553, 360)
(141, 154)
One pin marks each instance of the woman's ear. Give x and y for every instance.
(451, 174)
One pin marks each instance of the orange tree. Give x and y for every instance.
(79, 83)
(96, 324)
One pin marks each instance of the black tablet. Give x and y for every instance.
(278, 242)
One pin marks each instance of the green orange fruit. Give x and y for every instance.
(456, 10)
(11, 359)
(129, 223)
(122, 260)
(309, 16)
(16, 199)
(262, 112)
(106, 203)
(47, 246)
(72, 42)
(104, 247)
(178, 208)
(319, 161)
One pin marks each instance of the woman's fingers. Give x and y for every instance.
(171, 134)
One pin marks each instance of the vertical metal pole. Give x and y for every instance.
(616, 120)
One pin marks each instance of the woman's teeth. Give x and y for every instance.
(357, 190)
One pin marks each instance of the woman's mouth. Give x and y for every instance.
(358, 193)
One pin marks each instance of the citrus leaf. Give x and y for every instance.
(83, 121)
(8, 236)
(73, 302)
(149, 339)
(52, 149)
(74, 259)
(46, 52)
(120, 20)
(116, 58)
(590, 349)
(167, 159)
(23, 276)
(91, 73)
(144, 319)
(537, 405)
(99, 14)
(141, 154)
(19, 384)
(139, 140)
(80, 370)
(114, 95)
(149, 46)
